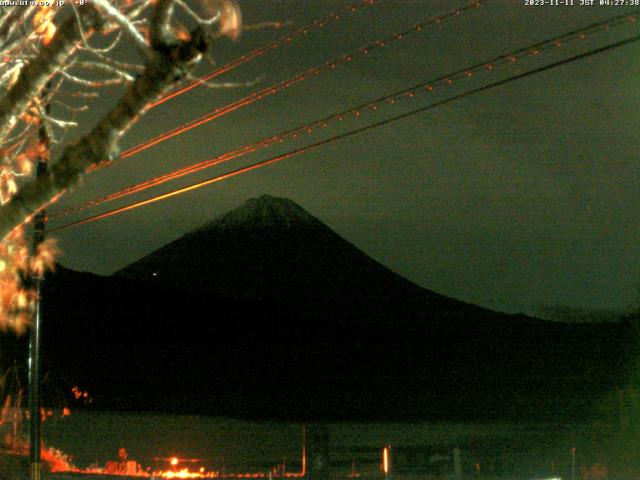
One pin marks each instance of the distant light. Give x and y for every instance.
(385, 460)
(155, 274)
(174, 460)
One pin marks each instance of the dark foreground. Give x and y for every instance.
(234, 449)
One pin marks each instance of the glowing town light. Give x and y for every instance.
(174, 461)
(385, 460)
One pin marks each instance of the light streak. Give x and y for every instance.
(284, 40)
(351, 133)
(409, 93)
(312, 72)
(187, 473)
(385, 460)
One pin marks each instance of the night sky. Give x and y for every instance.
(518, 197)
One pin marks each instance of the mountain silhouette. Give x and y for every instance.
(355, 325)
(272, 248)
(266, 312)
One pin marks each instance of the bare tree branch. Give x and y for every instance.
(98, 67)
(170, 63)
(36, 74)
(13, 20)
(194, 16)
(101, 51)
(38, 57)
(122, 66)
(127, 26)
(106, 82)
(160, 23)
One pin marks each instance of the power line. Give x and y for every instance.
(487, 65)
(342, 136)
(309, 73)
(279, 42)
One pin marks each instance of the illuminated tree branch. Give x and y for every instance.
(37, 58)
(35, 75)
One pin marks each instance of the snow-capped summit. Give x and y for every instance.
(272, 248)
(264, 211)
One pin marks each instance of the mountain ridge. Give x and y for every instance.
(273, 315)
(267, 235)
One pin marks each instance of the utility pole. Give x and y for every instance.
(35, 423)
